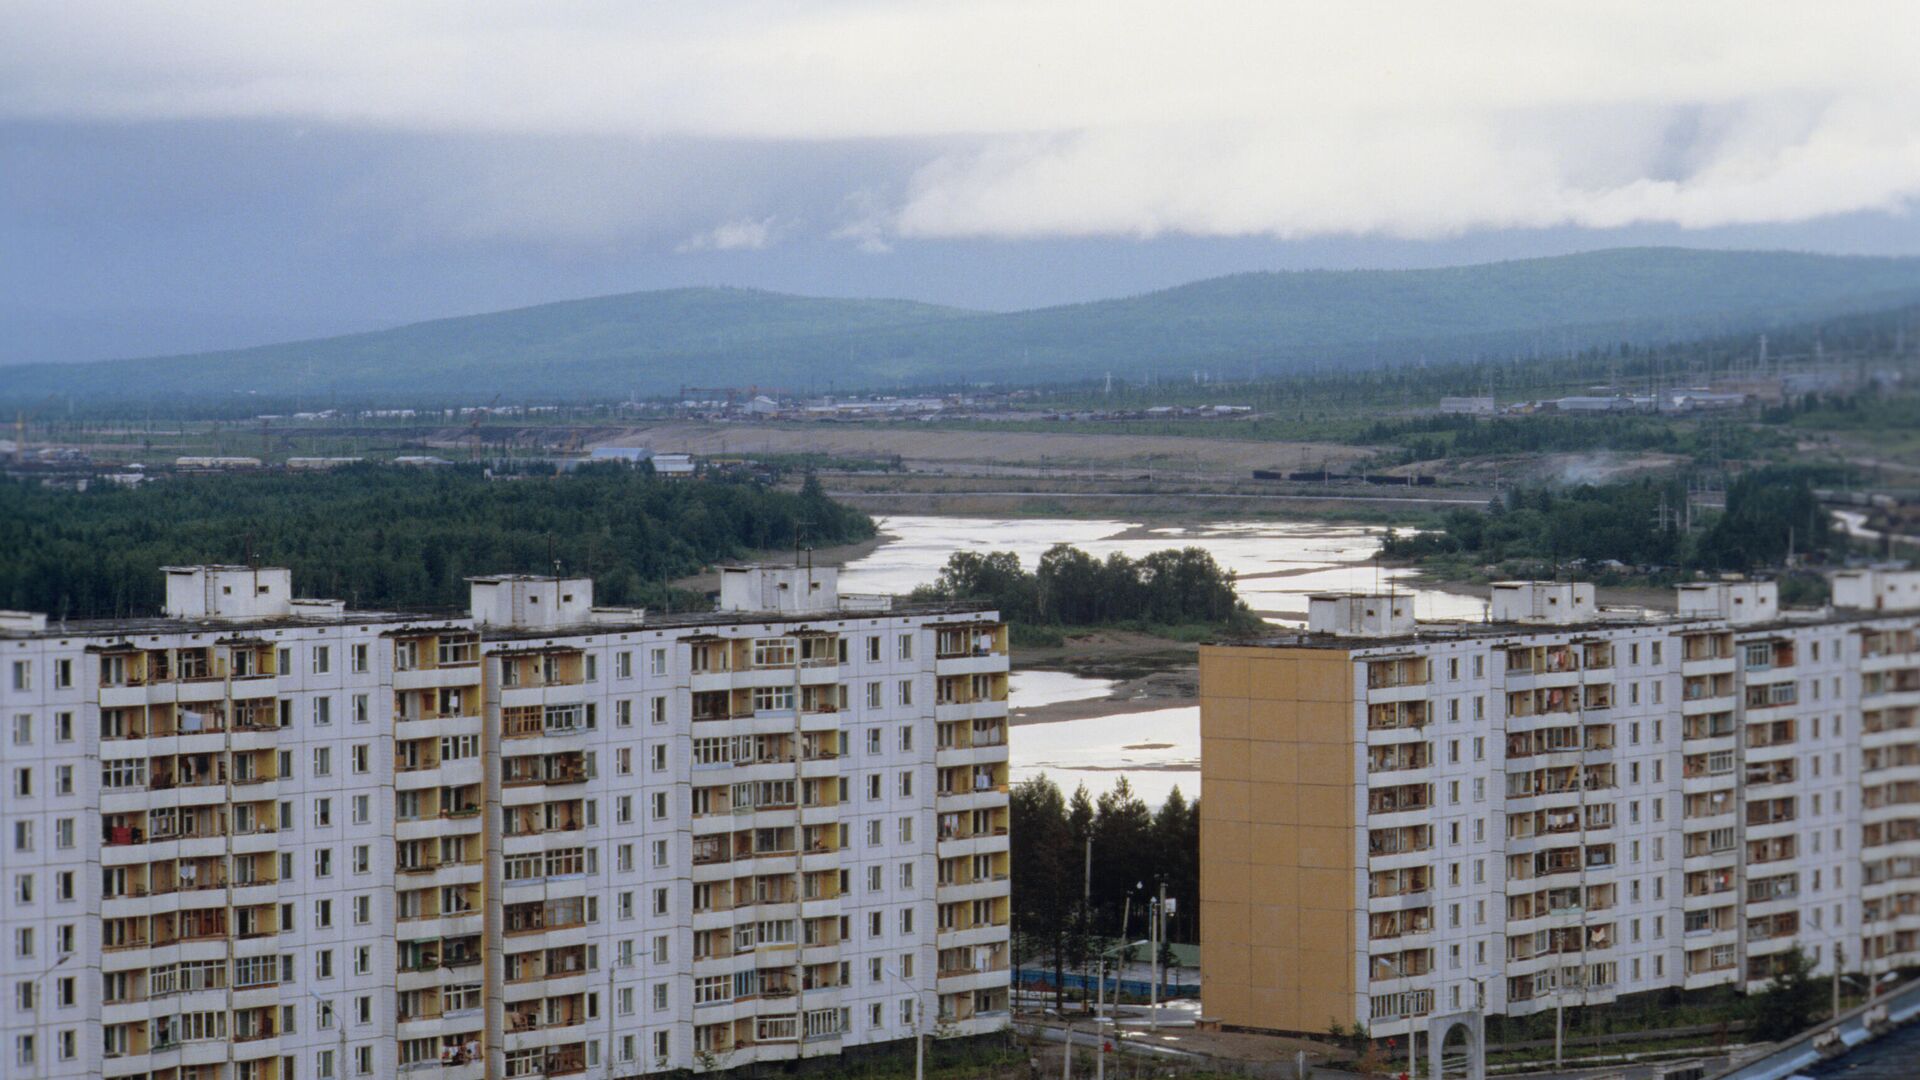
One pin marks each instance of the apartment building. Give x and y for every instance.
(265, 838)
(1560, 805)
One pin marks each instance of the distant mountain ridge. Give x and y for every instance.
(1269, 323)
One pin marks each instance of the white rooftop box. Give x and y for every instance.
(22, 622)
(790, 590)
(1548, 602)
(530, 600)
(229, 592)
(1734, 601)
(1360, 614)
(1876, 590)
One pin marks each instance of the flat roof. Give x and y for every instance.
(1428, 632)
(429, 621)
(162, 624)
(686, 620)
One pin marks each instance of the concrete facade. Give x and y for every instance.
(1568, 810)
(268, 839)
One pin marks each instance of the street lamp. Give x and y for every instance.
(919, 1024)
(1406, 996)
(339, 1024)
(1100, 1021)
(38, 1048)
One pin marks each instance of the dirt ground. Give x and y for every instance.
(1148, 673)
(1008, 453)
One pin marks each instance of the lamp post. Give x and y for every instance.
(1157, 906)
(1100, 1021)
(39, 1049)
(339, 1024)
(1400, 972)
(919, 1025)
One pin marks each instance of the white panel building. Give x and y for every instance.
(259, 838)
(1565, 805)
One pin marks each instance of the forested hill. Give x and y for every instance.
(379, 536)
(1264, 323)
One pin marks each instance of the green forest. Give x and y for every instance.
(1769, 513)
(1062, 910)
(1178, 587)
(391, 537)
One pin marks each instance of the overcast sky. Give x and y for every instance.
(198, 174)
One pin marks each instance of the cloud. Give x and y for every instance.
(1017, 120)
(742, 235)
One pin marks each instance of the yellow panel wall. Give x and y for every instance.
(1277, 922)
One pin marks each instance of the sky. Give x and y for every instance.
(202, 174)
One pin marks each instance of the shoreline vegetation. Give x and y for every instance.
(1633, 533)
(1178, 594)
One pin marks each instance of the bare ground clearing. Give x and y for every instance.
(931, 450)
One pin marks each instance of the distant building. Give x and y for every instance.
(673, 465)
(632, 455)
(199, 462)
(1595, 403)
(1702, 400)
(321, 462)
(1467, 406)
(421, 460)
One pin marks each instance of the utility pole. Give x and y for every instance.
(1839, 957)
(1086, 886)
(1100, 1023)
(1159, 903)
(1559, 1016)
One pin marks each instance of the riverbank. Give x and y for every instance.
(1148, 673)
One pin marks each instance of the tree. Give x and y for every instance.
(1176, 861)
(1039, 852)
(1791, 1000)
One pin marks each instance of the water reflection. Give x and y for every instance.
(1032, 688)
(1154, 750)
(1279, 563)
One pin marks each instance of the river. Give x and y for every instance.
(1277, 565)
